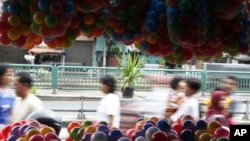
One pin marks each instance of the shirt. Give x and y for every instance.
(23, 107)
(6, 105)
(109, 105)
(190, 106)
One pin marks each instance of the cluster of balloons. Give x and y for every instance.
(153, 129)
(175, 30)
(28, 130)
(124, 21)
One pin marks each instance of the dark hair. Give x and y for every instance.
(231, 78)
(24, 77)
(109, 81)
(175, 81)
(194, 84)
(3, 69)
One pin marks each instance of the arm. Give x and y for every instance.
(110, 120)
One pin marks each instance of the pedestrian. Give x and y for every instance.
(109, 107)
(190, 105)
(7, 96)
(25, 102)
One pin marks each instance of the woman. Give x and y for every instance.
(7, 96)
(219, 105)
(109, 106)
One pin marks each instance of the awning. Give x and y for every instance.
(46, 50)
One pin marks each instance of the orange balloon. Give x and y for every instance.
(212, 126)
(46, 129)
(198, 133)
(29, 44)
(72, 125)
(154, 119)
(97, 32)
(14, 20)
(88, 19)
(13, 33)
(50, 44)
(21, 139)
(25, 29)
(60, 41)
(205, 137)
(31, 132)
(153, 38)
(90, 129)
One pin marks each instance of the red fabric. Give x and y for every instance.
(214, 108)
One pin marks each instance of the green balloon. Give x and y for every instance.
(100, 21)
(173, 27)
(168, 58)
(219, 5)
(34, 28)
(133, 11)
(24, 3)
(185, 5)
(177, 53)
(51, 20)
(109, 30)
(73, 133)
(121, 15)
(233, 45)
(86, 29)
(25, 15)
(70, 35)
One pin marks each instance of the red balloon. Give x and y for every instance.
(56, 7)
(243, 48)
(97, 32)
(33, 7)
(4, 17)
(159, 136)
(221, 132)
(72, 125)
(4, 27)
(187, 54)
(20, 42)
(6, 130)
(119, 28)
(75, 23)
(64, 19)
(45, 31)
(177, 127)
(214, 42)
(4, 39)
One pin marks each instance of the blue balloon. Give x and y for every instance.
(124, 139)
(137, 134)
(43, 5)
(86, 137)
(150, 25)
(188, 124)
(114, 135)
(172, 13)
(127, 36)
(163, 125)
(5, 6)
(160, 7)
(103, 128)
(246, 23)
(14, 8)
(146, 126)
(22, 129)
(116, 37)
(187, 135)
(12, 138)
(243, 37)
(201, 124)
(69, 7)
(151, 15)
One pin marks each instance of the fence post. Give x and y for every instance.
(81, 113)
(54, 78)
(247, 109)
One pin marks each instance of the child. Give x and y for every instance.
(190, 105)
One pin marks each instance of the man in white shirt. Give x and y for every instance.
(25, 102)
(190, 106)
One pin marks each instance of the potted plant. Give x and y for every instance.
(131, 71)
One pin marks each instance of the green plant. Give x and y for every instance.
(117, 51)
(131, 69)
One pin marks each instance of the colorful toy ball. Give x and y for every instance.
(99, 136)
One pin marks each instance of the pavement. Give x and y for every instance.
(138, 95)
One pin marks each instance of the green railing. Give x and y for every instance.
(83, 78)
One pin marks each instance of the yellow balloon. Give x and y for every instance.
(14, 20)
(14, 33)
(39, 17)
(20, 139)
(25, 29)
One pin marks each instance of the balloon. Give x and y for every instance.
(39, 17)
(151, 15)
(188, 124)
(88, 18)
(212, 126)
(201, 124)
(150, 131)
(103, 128)
(152, 38)
(163, 125)
(56, 8)
(177, 127)
(205, 137)
(13, 33)
(36, 138)
(198, 132)
(46, 129)
(87, 123)
(121, 15)
(21, 130)
(73, 124)
(4, 27)
(221, 132)
(69, 7)
(12, 138)
(45, 31)
(185, 5)
(44, 5)
(24, 3)
(90, 129)
(14, 20)
(73, 133)
(133, 11)
(25, 29)
(99, 136)
(150, 25)
(64, 19)
(187, 135)
(51, 136)
(159, 136)
(14, 8)
(124, 139)
(51, 20)
(114, 135)
(137, 134)
(86, 137)
(31, 133)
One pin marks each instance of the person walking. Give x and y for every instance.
(7, 96)
(25, 102)
(108, 109)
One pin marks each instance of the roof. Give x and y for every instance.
(45, 50)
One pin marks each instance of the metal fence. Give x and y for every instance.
(81, 77)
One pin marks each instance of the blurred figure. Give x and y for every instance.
(229, 84)
(109, 106)
(7, 96)
(176, 95)
(25, 102)
(218, 106)
(190, 105)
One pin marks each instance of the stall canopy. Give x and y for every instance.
(37, 50)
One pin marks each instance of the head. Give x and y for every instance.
(229, 83)
(22, 83)
(178, 83)
(218, 99)
(193, 86)
(6, 73)
(108, 84)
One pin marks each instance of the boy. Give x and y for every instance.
(190, 105)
